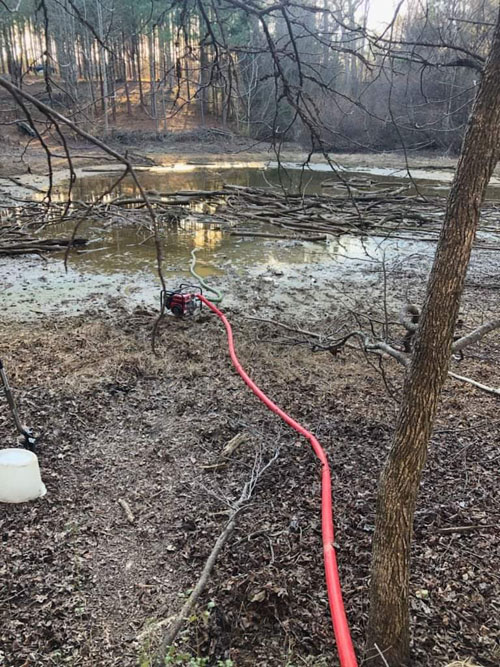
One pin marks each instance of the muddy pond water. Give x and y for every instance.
(120, 259)
(122, 248)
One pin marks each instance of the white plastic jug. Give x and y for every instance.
(20, 478)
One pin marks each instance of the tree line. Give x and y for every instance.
(319, 72)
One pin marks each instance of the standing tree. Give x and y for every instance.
(388, 639)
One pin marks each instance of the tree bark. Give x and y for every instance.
(103, 68)
(388, 625)
(152, 77)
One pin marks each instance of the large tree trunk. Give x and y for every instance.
(389, 626)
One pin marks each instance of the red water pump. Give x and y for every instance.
(182, 301)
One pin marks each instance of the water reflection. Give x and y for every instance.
(208, 239)
(92, 186)
(130, 249)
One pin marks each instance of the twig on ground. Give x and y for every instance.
(466, 529)
(233, 444)
(126, 508)
(382, 657)
(483, 387)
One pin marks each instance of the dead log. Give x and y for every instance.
(277, 236)
(24, 246)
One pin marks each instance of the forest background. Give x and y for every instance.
(324, 73)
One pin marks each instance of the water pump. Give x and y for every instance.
(182, 301)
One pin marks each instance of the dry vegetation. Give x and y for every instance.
(80, 583)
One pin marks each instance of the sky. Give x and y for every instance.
(381, 13)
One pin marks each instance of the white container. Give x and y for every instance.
(20, 479)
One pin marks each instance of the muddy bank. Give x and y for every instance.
(269, 274)
(81, 584)
(269, 278)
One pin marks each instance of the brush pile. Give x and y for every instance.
(15, 239)
(341, 208)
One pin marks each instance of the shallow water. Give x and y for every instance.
(123, 249)
(291, 175)
(120, 260)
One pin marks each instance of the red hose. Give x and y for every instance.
(345, 648)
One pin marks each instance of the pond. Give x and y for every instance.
(125, 249)
(120, 259)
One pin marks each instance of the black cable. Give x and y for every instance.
(28, 440)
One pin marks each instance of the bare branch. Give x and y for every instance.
(475, 335)
(483, 387)
(238, 506)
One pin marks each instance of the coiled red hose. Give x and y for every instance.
(345, 648)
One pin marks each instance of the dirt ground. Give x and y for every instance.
(81, 584)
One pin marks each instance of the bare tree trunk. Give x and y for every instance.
(89, 70)
(17, 32)
(126, 74)
(388, 626)
(203, 79)
(152, 77)
(187, 56)
(3, 62)
(112, 82)
(103, 68)
(139, 71)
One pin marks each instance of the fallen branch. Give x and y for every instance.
(381, 347)
(466, 529)
(185, 612)
(178, 621)
(283, 326)
(31, 245)
(214, 466)
(285, 237)
(475, 335)
(483, 387)
(126, 508)
(401, 357)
